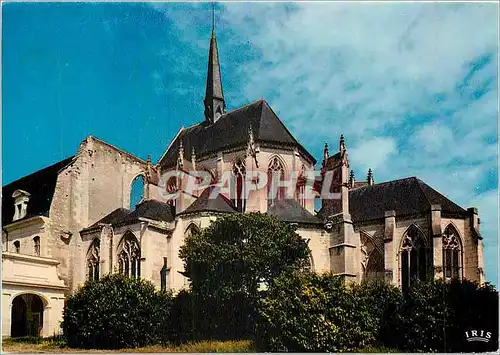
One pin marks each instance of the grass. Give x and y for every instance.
(379, 350)
(58, 345)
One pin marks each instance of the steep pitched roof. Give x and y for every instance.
(214, 78)
(290, 210)
(150, 209)
(117, 215)
(406, 196)
(205, 204)
(41, 186)
(231, 130)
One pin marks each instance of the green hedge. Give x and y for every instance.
(228, 262)
(317, 313)
(116, 312)
(435, 316)
(314, 313)
(299, 312)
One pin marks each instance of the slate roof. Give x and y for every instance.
(114, 217)
(406, 196)
(290, 210)
(41, 186)
(214, 78)
(203, 203)
(231, 130)
(150, 209)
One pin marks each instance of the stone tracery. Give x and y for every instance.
(129, 256)
(93, 260)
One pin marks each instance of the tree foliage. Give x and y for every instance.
(436, 314)
(316, 313)
(116, 312)
(229, 261)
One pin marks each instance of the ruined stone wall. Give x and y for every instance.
(110, 176)
(97, 182)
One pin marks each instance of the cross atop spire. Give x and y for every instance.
(213, 16)
(214, 102)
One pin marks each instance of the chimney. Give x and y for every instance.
(352, 180)
(370, 177)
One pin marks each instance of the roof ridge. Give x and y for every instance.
(385, 182)
(154, 200)
(226, 200)
(421, 183)
(422, 190)
(42, 169)
(279, 120)
(171, 143)
(206, 197)
(242, 107)
(285, 128)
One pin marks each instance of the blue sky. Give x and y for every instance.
(412, 86)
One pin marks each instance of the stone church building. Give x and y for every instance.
(73, 221)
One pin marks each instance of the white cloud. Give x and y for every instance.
(372, 153)
(412, 86)
(398, 71)
(434, 137)
(487, 204)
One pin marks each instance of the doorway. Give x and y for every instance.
(26, 316)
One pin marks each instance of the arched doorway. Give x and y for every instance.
(26, 316)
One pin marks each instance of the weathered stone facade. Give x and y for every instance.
(79, 223)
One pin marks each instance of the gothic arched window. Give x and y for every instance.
(275, 174)
(129, 256)
(93, 260)
(452, 255)
(414, 257)
(192, 229)
(372, 257)
(171, 188)
(238, 192)
(301, 186)
(136, 191)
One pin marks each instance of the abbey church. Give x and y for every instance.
(73, 221)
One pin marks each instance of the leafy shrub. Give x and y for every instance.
(182, 319)
(435, 316)
(471, 307)
(116, 312)
(314, 313)
(318, 313)
(384, 301)
(228, 261)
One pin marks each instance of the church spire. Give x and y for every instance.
(214, 102)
